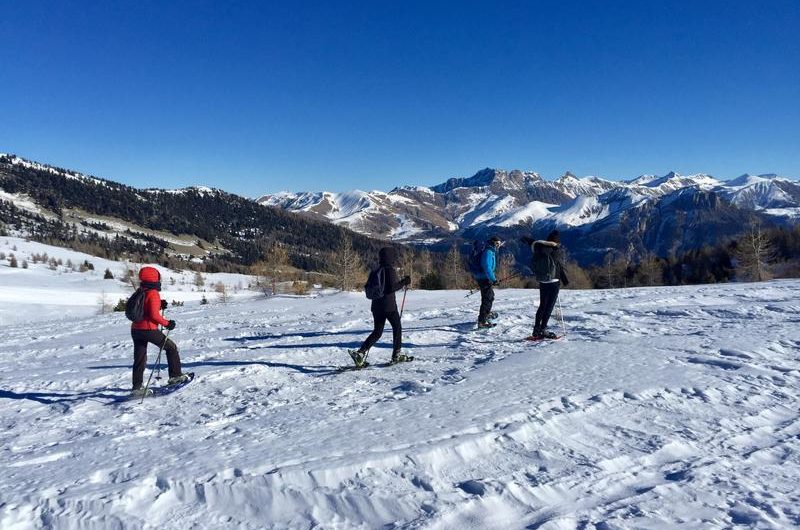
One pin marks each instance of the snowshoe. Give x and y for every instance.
(486, 325)
(175, 383)
(401, 358)
(178, 379)
(359, 358)
(141, 392)
(547, 335)
(492, 316)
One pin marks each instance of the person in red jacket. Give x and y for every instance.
(146, 331)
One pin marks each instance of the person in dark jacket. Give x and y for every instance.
(146, 331)
(486, 279)
(385, 308)
(549, 268)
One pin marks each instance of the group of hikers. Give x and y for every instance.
(144, 307)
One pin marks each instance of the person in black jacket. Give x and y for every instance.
(385, 308)
(549, 268)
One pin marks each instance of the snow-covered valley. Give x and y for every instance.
(663, 407)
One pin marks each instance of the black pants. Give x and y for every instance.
(141, 337)
(548, 294)
(380, 317)
(487, 299)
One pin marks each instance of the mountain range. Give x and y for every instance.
(647, 215)
(220, 230)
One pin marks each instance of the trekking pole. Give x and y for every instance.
(510, 277)
(561, 316)
(158, 360)
(501, 280)
(403, 304)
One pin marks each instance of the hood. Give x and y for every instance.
(387, 256)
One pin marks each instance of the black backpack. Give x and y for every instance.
(474, 262)
(376, 284)
(544, 266)
(134, 307)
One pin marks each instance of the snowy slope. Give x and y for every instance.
(665, 407)
(39, 293)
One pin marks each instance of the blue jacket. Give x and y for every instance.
(488, 262)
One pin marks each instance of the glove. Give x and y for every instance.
(406, 281)
(171, 325)
(163, 304)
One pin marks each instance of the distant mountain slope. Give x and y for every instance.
(37, 198)
(659, 214)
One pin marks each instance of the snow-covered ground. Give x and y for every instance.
(664, 407)
(44, 293)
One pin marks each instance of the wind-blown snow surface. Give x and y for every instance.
(664, 407)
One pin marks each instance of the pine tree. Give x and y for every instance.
(108, 275)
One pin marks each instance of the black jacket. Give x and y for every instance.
(556, 254)
(387, 303)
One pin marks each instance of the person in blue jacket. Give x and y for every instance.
(485, 276)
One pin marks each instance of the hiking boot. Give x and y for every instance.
(141, 392)
(178, 379)
(548, 335)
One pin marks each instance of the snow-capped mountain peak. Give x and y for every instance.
(464, 207)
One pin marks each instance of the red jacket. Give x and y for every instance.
(152, 312)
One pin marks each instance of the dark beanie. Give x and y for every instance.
(554, 236)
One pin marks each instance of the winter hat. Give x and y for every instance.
(495, 239)
(150, 278)
(149, 274)
(554, 236)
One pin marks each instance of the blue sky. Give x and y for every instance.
(257, 97)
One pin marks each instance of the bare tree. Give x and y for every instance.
(455, 276)
(424, 263)
(131, 274)
(506, 269)
(273, 267)
(407, 265)
(222, 290)
(754, 252)
(650, 271)
(347, 265)
(105, 303)
(615, 268)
